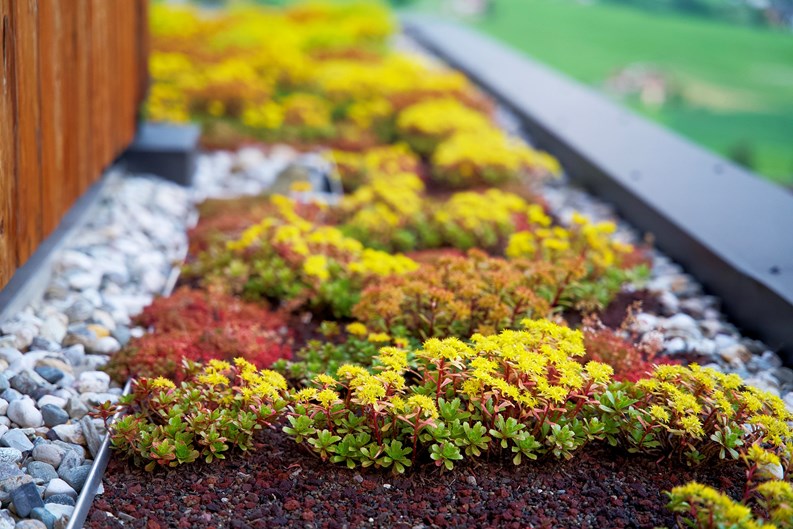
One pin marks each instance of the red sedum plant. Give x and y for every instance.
(201, 326)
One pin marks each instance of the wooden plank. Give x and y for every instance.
(54, 178)
(82, 71)
(67, 19)
(28, 140)
(8, 260)
(73, 76)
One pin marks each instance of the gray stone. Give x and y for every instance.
(41, 472)
(50, 374)
(53, 400)
(683, 326)
(675, 345)
(26, 498)
(784, 375)
(10, 455)
(6, 520)
(76, 477)
(764, 381)
(43, 515)
(16, 439)
(58, 487)
(9, 470)
(122, 334)
(11, 483)
(62, 514)
(60, 511)
(24, 412)
(71, 433)
(93, 434)
(75, 354)
(30, 524)
(70, 460)
(10, 354)
(3, 406)
(10, 395)
(735, 354)
(53, 329)
(48, 453)
(76, 408)
(4, 383)
(79, 311)
(60, 499)
(84, 280)
(79, 334)
(71, 447)
(93, 381)
(788, 399)
(26, 383)
(42, 344)
(106, 345)
(53, 415)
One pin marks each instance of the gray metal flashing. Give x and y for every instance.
(726, 226)
(31, 279)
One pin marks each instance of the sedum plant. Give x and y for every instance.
(427, 123)
(487, 156)
(454, 296)
(357, 168)
(218, 407)
(696, 415)
(286, 258)
(520, 393)
(200, 326)
(356, 345)
(703, 507)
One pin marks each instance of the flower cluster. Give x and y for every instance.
(288, 258)
(518, 392)
(200, 326)
(453, 296)
(704, 507)
(218, 407)
(695, 414)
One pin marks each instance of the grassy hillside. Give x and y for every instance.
(735, 82)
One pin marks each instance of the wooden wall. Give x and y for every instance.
(74, 73)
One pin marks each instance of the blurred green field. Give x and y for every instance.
(735, 83)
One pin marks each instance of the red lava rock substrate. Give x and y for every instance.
(276, 485)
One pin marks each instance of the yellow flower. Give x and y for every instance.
(218, 365)
(600, 373)
(317, 266)
(378, 337)
(162, 383)
(357, 329)
(213, 379)
(659, 414)
(692, 425)
(305, 395)
(425, 404)
(326, 397)
(325, 380)
(393, 379)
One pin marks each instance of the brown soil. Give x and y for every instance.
(278, 485)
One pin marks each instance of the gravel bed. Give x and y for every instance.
(52, 350)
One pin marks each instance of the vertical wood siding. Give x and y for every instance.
(73, 76)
